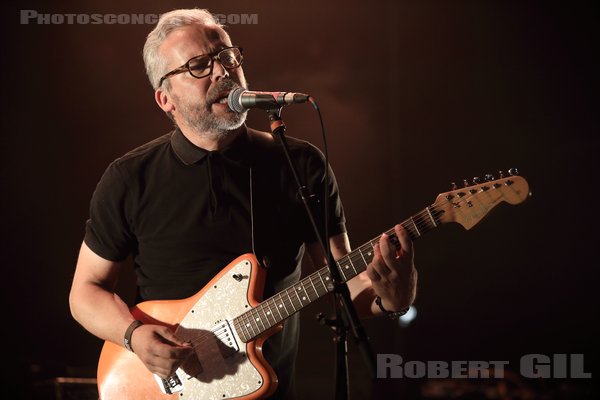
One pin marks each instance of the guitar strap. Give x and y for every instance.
(251, 212)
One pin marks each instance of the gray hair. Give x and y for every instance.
(168, 22)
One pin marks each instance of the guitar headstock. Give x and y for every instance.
(470, 204)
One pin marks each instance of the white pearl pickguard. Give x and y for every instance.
(224, 370)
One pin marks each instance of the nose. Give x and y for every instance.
(219, 71)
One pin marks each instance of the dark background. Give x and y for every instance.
(415, 95)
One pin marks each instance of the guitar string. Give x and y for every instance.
(203, 337)
(421, 220)
(200, 339)
(302, 284)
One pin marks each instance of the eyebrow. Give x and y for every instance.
(209, 52)
(218, 49)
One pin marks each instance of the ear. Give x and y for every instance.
(163, 99)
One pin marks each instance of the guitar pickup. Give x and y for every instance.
(226, 340)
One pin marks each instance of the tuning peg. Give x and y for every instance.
(465, 182)
(489, 177)
(476, 180)
(513, 171)
(501, 174)
(454, 187)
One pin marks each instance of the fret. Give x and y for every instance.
(313, 285)
(369, 254)
(298, 296)
(270, 312)
(283, 304)
(431, 216)
(355, 270)
(325, 279)
(395, 241)
(306, 292)
(415, 225)
(243, 326)
(257, 318)
(278, 307)
(321, 278)
(263, 307)
(408, 228)
(290, 297)
(344, 266)
(319, 284)
(322, 274)
(341, 270)
(249, 324)
(353, 267)
(362, 256)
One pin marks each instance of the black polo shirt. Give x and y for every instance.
(184, 213)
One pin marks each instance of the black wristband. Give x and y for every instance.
(390, 314)
(127, 338)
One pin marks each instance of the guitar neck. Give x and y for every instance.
(276, 309)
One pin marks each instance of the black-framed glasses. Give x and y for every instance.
(202, 65)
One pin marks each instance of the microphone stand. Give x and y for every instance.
(346, 316)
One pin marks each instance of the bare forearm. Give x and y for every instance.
(100, 311)
(363, 295)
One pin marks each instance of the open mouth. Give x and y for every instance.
(221, 98)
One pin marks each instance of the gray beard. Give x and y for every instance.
(201, 118)
(209, 125)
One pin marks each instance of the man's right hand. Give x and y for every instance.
(159, 349)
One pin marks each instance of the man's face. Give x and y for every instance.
(197, 102)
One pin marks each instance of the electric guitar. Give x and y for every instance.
(227, 323)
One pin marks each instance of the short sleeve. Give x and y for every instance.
(108, 232)
(315, 179)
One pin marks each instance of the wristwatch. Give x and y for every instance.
(390, 314)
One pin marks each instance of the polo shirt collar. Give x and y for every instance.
(237, 152)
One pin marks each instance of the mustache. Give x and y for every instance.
(216, 91)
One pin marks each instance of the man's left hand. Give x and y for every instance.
(392, 271)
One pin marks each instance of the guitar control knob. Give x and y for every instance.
(489, 177)
(477, 180)
(513, 171)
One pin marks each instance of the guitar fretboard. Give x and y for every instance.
(279, 307)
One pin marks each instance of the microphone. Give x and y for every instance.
(240, 100)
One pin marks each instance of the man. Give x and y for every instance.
(189, 202)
